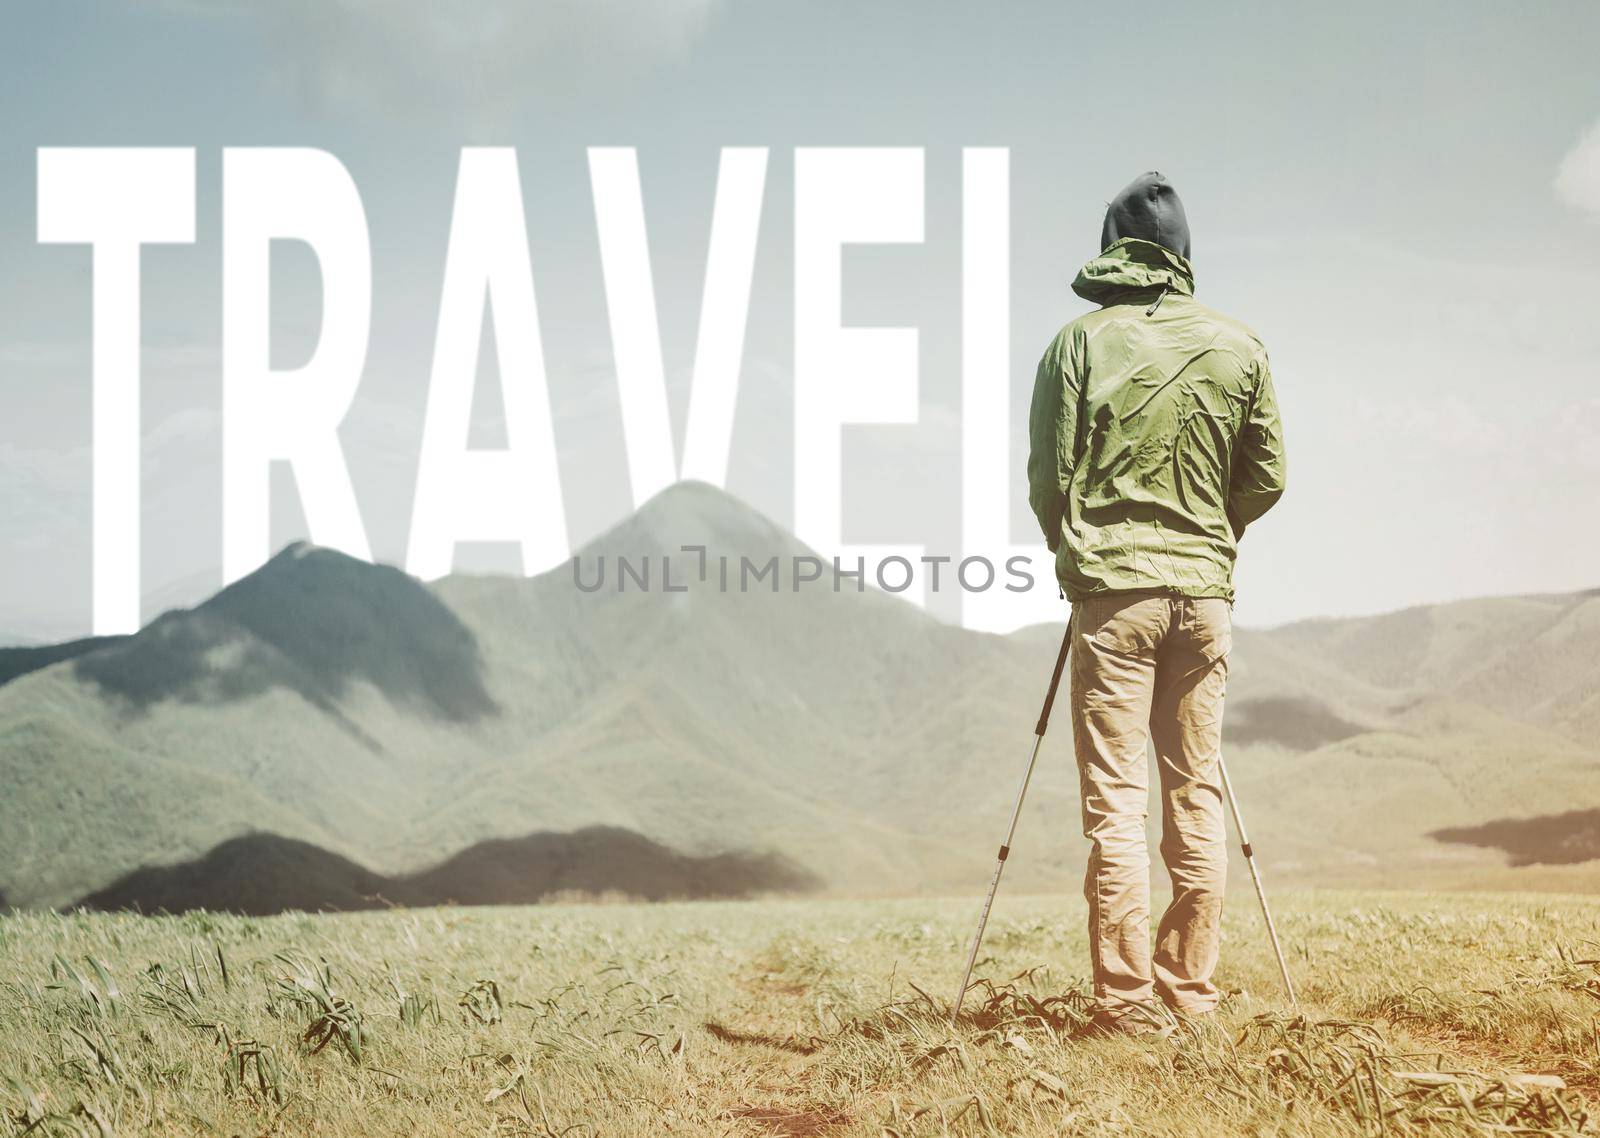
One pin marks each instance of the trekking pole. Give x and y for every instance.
(1011, 830)
(1255, 876)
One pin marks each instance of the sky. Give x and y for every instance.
(1403, 200)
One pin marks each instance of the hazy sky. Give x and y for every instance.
(1402, 199)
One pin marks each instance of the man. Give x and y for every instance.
(1155, 442)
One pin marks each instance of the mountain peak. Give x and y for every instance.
(305, 552)
(313, 620)
(693, 498)
(298, 549)
(696, 514)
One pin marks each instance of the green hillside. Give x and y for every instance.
(394, 724)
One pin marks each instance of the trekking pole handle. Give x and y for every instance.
(1055, 681)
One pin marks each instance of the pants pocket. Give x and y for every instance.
(1213, 628)
(1124, 625)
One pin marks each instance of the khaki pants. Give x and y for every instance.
(1152, 666)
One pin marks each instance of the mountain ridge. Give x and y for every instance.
(260, 873)
(396, 723)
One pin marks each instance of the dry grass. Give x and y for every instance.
(1439, 1015)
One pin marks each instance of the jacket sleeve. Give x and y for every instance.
(1052, 434)
(1257, 479)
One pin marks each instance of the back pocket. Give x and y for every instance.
(1125, 625)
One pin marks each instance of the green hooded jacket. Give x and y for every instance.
(1155, 437)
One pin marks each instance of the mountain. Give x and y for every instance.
(395, 725)
(22, 659)
(260, 874)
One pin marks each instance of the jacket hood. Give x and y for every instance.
(1131, 266)
(1147, 208)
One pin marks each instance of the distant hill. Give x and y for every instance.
(396, 725)
(1567, 838)
(259, 874)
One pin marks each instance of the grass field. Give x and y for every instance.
(1438, 1014)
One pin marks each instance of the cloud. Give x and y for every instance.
(44, 501)
(1578, 181)
(478, 58)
